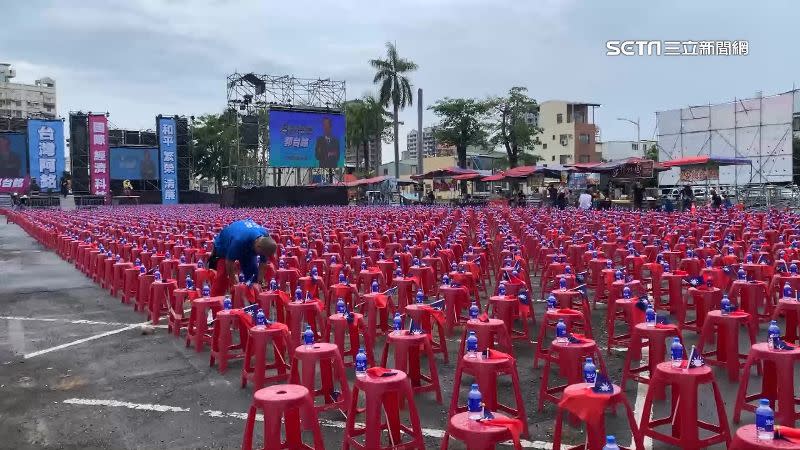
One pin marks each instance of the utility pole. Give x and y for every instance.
(419, 136)
(638, 134)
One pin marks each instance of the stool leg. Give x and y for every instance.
(249, 426)
(741, 393)
(433, 369)
(520, 405)
(558, 429)
(291, 422)
(413, 415)
(456, 389)
(721, 415)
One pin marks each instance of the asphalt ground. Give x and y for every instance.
(78, 371)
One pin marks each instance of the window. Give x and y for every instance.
(385, 171)
(554, 137)
(553, 158)
(544, 146)
(564, 159)
(579, 118)
(563, 139)
(583, 158)
(584, 138)
(796, 122)
(635, 146)
(559, 118)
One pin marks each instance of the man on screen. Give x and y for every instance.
(327, 146)
(148, 168)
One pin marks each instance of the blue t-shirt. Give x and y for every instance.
(235, 243)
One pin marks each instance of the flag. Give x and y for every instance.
(380, 372)
(602, 385)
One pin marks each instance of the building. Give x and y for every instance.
(761, 129)
(428, 142)
(569, 132)
(375, 157)
(408, 167)
(614, 150)
(37, 100)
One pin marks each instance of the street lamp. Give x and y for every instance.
(638, 136)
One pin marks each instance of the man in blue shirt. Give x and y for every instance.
(242, 241)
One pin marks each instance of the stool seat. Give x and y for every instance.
(407, 359)
(331, 368)
(746, 439)
(289, 405)
(475, 434)
(487, 333)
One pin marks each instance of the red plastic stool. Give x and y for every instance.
(476, 435)
(176, 319)
(705, 300)
(746, 439)
(341, 329)
(776, 363)
(683, 409)
(376, 313)
(725, 331)
(571, 299)
(256, 368)
(130, 285)
(223, 349)
(507, 309)
(331, 370)
(574, 321)
(625, 309)
(569, 358)
(287, 404)
(159, 298)
(143, 292)
(277, 300)
(118, 277)
(456, 299)
(406, 348)
(384, 396)
(655, 338)
(790, 308)
(298, 315)
(489, 332)
(243, 295)
(197, 331)
(485, 372)
(589, 406)
(425, 316)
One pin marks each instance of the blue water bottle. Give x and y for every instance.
(420, 296)
(189, 283)
(157, 276)
(589, 372)
(611, 443)
(361, 363)
(773, 335)
(445, 280)
(626, 292)
(398, 322)
(375, 286)
(650, 316)
(501, 291)
(472, 345)
(227, 303)
(725, 305)
(475, 403)
(342, 278)
(340, 306)
(308, 338)
(561, 332)
(261, 318)
(677, 352)
(206, 291)
(473, 311)
(298, 295)
(562, 283)
(551, 302)
(787, 291)
(765, 421)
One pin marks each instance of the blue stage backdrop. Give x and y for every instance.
(13, 155)
(306, 139)
(46, 152)
(169, 162)
(134, 163)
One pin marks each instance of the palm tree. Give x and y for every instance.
(395, 90)
(367, 121)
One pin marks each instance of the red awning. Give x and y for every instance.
(521, 172)
(499, 176)
(468, 176)
(706, 160)
(447, 172)
(364, 181)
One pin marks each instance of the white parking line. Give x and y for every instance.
(429, 432)
(81, 341)
(72, 321)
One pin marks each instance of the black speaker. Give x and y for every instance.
(248, 133)
(132, 138)
(79, 152)
(183, 152)
(116, 138)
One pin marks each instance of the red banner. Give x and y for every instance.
(19, 185)
(692, 174)
(99, 167)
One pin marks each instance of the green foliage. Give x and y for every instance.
(511, 126)
(214, 146)
(395, 89)
(651, 153)
(367, 120)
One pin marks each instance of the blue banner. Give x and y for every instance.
(169, 161)
(46, 153)
(13, 155)
(134, 163)
(306, 139)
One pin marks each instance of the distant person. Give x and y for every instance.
(552, 193)
(64, 187)
(520, 198)
(585, 200)
(687, 198)
(10, 162)
(327, 147)
(431, 197)
(666, 204)
(716, 199)
(240, 241)
(148, 168)
(34, 187)
(638, 195)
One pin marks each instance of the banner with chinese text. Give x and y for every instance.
(169, 172)
(99, 172)
(46, 153)
(699, 173)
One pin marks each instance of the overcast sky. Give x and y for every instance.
(139, 58)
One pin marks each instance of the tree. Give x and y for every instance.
(367, 121)
(462, 122)
(652, 153)
(513, 126)
(395, 90)
(214, 146)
